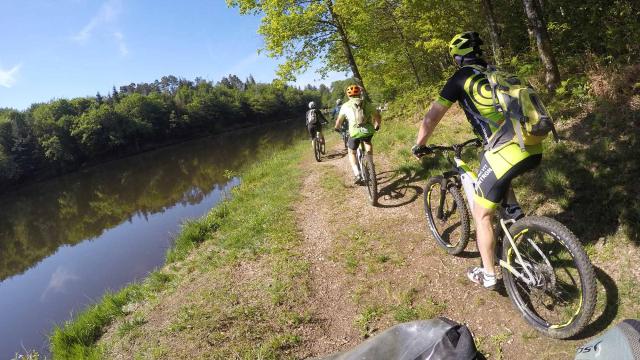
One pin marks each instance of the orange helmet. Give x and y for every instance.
(353, 90)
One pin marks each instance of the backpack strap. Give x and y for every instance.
(518, 130)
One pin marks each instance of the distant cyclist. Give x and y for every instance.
(336, 109)
(499, 164)
(314, 122)
(334, 114)
(363, 120)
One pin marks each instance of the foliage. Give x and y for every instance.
(401, 45)
(62, 135)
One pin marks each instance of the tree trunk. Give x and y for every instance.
(539, 28)
(346, 45)
(496, 46)
(404, 44)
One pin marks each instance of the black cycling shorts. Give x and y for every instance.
(313, 129)
(354, 143)
(490, 190)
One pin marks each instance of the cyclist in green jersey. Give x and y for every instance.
(363, 120)
(500, 163)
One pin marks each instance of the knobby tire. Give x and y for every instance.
(562, 239)
(316, 149)
(369, 173)
(459, 207)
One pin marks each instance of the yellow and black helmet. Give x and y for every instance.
(466, 44)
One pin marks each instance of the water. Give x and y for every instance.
(66, 241)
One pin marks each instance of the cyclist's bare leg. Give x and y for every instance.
(354, 162)
(368, 148)
(321, 136)
(484, 237)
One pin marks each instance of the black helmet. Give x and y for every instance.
(465, 45)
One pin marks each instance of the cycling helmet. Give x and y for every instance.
(339, 101)
(466, 44)
(312, 105)
(353, 90)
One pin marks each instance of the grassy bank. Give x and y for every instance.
(234, 274)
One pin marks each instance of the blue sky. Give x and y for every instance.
(67, 48)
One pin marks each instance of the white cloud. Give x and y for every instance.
(122, 45)
(8, 77)
(59, 279)
(244, 65)
(108, 13)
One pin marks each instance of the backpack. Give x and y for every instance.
(312, 118)
(521, 106)
(435, 339)
(358, 113)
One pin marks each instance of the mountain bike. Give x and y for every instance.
(318, 146)
(368, 172)
(545, 270)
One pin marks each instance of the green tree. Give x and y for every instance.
(303, 31)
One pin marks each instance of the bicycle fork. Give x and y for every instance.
(528, 278)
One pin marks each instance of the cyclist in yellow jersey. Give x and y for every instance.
(502, 160)
(364, 120)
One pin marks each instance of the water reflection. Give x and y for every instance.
(64, 241)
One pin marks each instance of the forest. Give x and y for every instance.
(62, 135)
(396, 48)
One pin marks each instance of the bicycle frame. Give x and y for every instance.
(464, 177)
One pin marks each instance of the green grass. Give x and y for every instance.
(366, 318)
(255, 222)
(76, 338)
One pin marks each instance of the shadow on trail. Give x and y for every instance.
(396, 187)
(335, 154)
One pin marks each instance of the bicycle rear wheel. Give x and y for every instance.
(316, 149)
(369, 174)
(451, 227)
(562, 298)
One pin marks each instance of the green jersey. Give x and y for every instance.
(349, 112)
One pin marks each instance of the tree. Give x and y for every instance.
(538, 27)
(99, 98)
(302, 31)
(496, 46)
(114, 95)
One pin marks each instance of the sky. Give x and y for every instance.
(69, 48)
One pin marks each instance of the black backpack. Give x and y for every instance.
(435, 339)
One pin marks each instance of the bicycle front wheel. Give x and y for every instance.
(369, 174)
(447, 217)
(560, 296)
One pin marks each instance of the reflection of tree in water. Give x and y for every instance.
(38, 219)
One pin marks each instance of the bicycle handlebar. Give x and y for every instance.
(457, 148)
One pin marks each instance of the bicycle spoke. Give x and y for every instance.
(555, 296)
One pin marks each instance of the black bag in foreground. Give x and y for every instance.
(621, 342)
(436, 339)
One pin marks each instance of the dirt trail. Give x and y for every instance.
(370, 266)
